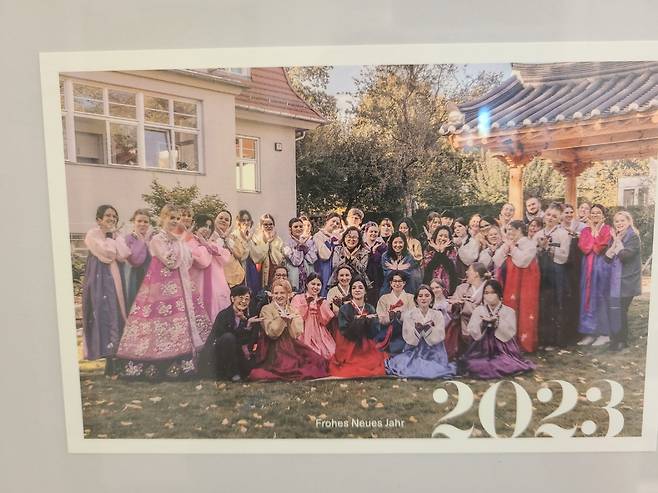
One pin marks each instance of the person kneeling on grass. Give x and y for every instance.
(232, 349)
(494, 352)
(356, 353)
(288, 358)
(423, 329)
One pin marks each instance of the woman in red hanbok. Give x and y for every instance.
(356, 353)
(517, 258)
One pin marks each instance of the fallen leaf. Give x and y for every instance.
(213, 406)
(136, 401)
(364, 404)
(199, 387)
(268, 424)
(311, 417)
(155, 399)
(126, 423)
(102, 435)
(111, 403)
(313, 389)
(149, 435)
(243, 422)
(169, 424)
(324, 403)
(183, 404)
(225, 421)
(257, 416)
(243, 429)
(343, 385)
(412, 419)
(396, 386)
(221, 385)
(379, 405)
(132, 406)
(322, 416)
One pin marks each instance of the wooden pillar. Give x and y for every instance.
(515, 196)
(570, 194)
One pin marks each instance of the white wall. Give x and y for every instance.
(91, 185)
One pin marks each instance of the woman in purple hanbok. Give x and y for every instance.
(134, 269)
(103, 302)
(168, 324)
(423, 330)
(325, 242)
(494, 352)
(595, 280)
(300, 254)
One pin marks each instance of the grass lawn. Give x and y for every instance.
(208, 409)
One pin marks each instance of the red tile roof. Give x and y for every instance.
(270, 92)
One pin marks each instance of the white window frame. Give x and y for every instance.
(239, 161)
(69, 115)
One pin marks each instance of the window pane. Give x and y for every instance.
(122, 104)
(248, 176)
(66, 156)
(249, 148)
(186, 147)
(184, 121)
(90, 141)
(184, 108)
(156, 110)
(61, 94)
(629, 197)
(88, 99)
(237, 148)
(124, 144)
(237, 177)
(157, 148)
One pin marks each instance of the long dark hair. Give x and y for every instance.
(441, 260)
(405, 246)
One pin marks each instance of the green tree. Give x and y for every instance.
(338, 168)
(404, 106)
(311, 85)
(160, 195)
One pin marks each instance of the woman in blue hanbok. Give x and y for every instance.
(423, 330)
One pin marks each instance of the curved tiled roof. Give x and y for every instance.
(539, 94)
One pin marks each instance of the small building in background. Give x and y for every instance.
(229, 131)
(637, 190)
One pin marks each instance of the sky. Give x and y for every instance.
(341, 79)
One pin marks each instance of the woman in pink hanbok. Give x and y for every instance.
(201, 257)
(168, 324)
(316, 313)
(216, 291)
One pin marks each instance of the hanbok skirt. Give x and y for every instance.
(421, 361)
(166, 328)
(489, 357)
(354, 360)
(289, 359)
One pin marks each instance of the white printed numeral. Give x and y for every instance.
(465, 399)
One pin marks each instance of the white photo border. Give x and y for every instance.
(52, 63)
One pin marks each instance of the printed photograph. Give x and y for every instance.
(377, 251)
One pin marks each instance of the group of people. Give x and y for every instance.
(204, 296)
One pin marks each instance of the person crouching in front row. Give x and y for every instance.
(231, 350)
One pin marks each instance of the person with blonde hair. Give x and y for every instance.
(266, 249)
(624, 254)
(288, 358)
(167, 326)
